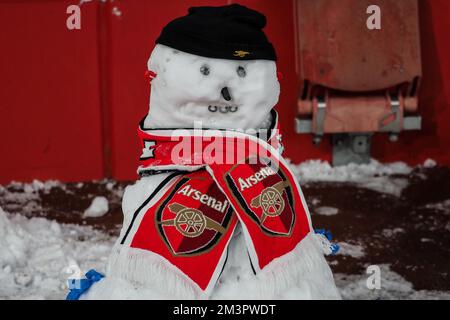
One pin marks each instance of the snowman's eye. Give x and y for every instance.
(241, 71)
(204, 69)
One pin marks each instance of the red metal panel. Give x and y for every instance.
(433, 141)
(49, 93)
(338, 51)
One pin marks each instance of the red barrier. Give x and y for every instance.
(49, 93)
(70, 97)
(433, 141)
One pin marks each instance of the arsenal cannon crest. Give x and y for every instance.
(270, 200)
(194, 216)
(191, 222)
(265, 194)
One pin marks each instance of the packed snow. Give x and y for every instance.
(429, 163)
(98, 208)
(38, 256)
(375, 175)
(393, 287)
(326, 211)
(440, 206)
(352, 250)
(174, 104)
(389, 233)
(30, 190)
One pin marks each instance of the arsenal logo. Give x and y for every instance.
(270, 200)
(191, 222)
(193, 217)
(265, 194)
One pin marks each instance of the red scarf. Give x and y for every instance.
(214, 179)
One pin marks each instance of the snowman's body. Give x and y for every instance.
(237, 280)
(222, 94)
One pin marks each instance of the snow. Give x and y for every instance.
(440, 206)
(174, 104)
(429, 163)
(375, 175)
(326, 211)
(98, 208)
(393, 286)
(31, 190)
(389, 233)
(36, 254)
(353, 250)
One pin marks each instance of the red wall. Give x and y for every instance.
(433, 141)
(49, 93)
(71, 100)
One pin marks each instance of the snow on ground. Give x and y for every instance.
(374, 176)
(30, 190)
(443, 206)
(393, 287)
(98, 208)
(352, 250)
(326, 211)
(37, 256)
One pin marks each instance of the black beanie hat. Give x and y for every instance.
(232, 32)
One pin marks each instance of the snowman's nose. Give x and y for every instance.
(226, 93)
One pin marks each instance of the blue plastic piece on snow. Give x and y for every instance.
(324, 232)
(333, 246)
(79, 286)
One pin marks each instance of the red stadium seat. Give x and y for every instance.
(354, 80)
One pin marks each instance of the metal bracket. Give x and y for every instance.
(320, 118)
(393, 127)
(349, 148)
(352, 146)
(303, 125)
(412, 123)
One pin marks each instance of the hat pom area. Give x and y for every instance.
(232, 32)
(236, 12)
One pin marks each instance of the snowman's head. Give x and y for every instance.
(224, 87)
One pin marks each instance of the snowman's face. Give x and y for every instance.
(222, 94)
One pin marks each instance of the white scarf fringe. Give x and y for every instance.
(145, 268)
(301, 274)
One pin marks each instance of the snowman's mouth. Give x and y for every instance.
(223, 109)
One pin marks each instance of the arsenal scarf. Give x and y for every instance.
(214, 179)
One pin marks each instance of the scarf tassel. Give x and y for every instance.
(301, 274)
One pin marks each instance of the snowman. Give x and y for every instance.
(216, 214)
